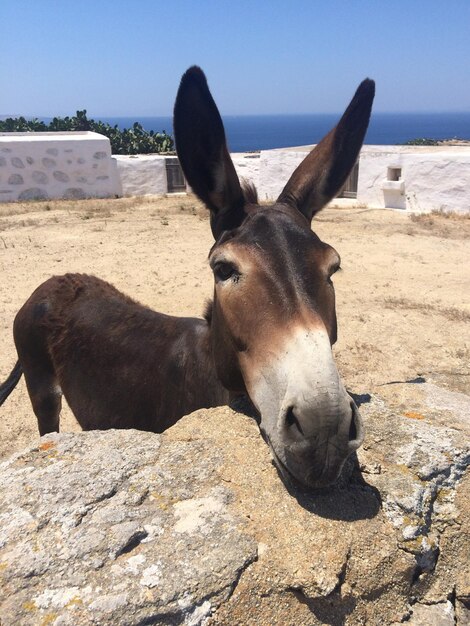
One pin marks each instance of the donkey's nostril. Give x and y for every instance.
(356, 431)
(352, 425)
(292, 421)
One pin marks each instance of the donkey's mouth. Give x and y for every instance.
(310, 481)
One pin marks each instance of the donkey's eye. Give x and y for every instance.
(224, 271)
(333, 270)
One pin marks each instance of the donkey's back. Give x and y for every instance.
(118, 364)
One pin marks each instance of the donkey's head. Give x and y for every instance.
(273, 318)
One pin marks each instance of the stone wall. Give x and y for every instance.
(41, 166)
(194, 526)
(78, 165)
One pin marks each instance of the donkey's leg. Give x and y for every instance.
(45, 394)
(31, 339)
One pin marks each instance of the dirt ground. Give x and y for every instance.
(403, 295)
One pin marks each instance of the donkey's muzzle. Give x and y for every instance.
(316, 460)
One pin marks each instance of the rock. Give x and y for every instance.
(74, 193)
(195, 526)
(62, 177)
(33, 193)
(462, 612)
(113, 527)
(40, 177)
(432, 615)
(15, 179)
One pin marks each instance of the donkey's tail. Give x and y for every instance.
(7, 387)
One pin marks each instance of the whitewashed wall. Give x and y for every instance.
(79, 165)
(142, 174)
(276, 168)
(432, 178)
(56, 165)
(247, 166)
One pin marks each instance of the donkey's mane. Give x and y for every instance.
(250, 192)
(207, 315)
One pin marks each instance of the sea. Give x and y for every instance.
(247, 133)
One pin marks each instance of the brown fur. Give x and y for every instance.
(118, 363)
(122, 365)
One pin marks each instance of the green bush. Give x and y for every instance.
(422, 141)
(135, 140)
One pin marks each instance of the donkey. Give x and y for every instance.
(267, 332)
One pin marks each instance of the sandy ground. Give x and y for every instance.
(403, 297)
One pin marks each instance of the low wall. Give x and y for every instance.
(415, 178)
(142, 174)
(123, 527)
(79, 165)
(41, 166)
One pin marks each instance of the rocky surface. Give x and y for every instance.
(195, 526)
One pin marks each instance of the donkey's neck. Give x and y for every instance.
(191, 381)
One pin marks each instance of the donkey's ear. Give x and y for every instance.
(324, 171)
(203, 153)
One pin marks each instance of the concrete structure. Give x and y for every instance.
(39, 166)
(76, 165)
(412, 178)
(415, 178)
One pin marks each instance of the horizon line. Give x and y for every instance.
(137, 116)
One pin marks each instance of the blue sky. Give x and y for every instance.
(125, 57)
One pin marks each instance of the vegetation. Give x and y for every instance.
(135, 140)
(425, 141)
(422, 141)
